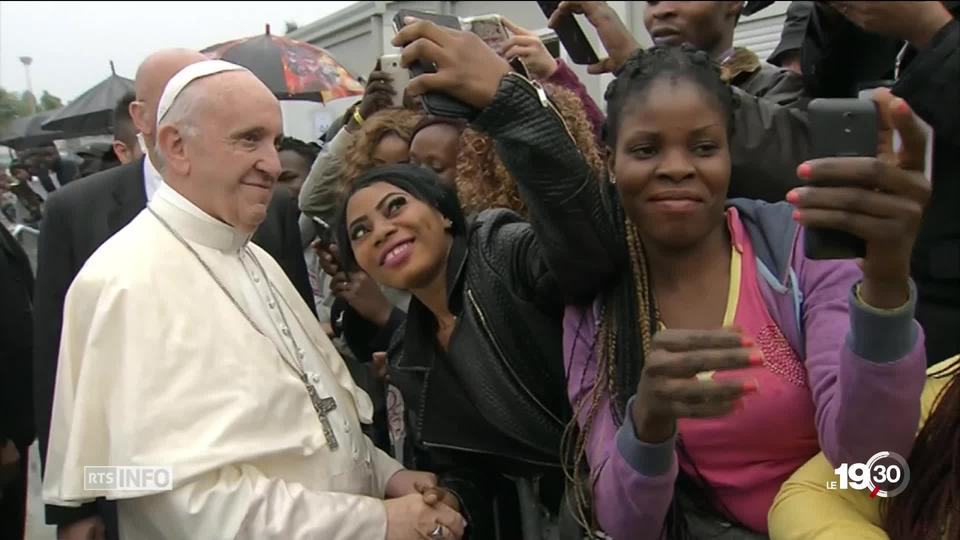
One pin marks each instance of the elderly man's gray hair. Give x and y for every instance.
(183, 114)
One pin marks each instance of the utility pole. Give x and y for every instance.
(27, 61)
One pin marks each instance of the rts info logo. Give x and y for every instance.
(886, 474)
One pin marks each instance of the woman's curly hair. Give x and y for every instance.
(359, 156)
(483, 181)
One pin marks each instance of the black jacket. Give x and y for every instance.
(837, 57)
(16, 348)
(495, 402)
(16, 402)
(494, 405)
(79, 218)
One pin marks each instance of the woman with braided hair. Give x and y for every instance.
(688, 430)
(672, 414)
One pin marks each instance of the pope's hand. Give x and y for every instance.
(411, 518)
(407, 482)
(87, 529)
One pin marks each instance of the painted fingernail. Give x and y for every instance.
(797, 216)
(756, 358)
(793, 196)
(750, 386)
(746, 342)
(902, 106)
(804, 170)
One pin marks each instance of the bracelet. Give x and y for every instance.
(856, 294)
(357, 117)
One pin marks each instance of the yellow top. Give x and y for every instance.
(805, 510)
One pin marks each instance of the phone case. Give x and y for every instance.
(844, 128)
(571, 35)
(435, 103)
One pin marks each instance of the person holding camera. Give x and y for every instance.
(672, 409)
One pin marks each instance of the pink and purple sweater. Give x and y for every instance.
(846, 380)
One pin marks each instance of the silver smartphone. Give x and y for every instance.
(390, 64)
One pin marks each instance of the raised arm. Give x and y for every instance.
(560, 190)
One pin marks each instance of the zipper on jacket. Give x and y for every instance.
(545, 101)
(503, 359)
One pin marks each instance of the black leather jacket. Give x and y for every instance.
(494, 405)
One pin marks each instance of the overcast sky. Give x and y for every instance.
(72, 42)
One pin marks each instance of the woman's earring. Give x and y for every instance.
(447, 225)
(613, 178)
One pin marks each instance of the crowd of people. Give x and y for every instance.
(554, 319)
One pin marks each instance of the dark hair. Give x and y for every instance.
(123, 128)
(427, 121)
(678, 63)
(928, 509)
(629, 316)
(422, 183)
(309, 151)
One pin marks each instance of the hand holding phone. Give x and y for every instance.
(399, 76)
(527, 47)
(615, 36)
(462, 67)
(879, 200)
(435, 103)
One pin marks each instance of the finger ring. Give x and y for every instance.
(438, 532)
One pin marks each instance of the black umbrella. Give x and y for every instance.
(27, 132)
(92, 112)
(291, 69)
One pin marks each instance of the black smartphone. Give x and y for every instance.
(572, 36)
(324, 232)
(842, 128)
(435, 103)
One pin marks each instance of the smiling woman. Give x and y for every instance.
(478, 359)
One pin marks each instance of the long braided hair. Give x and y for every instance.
(930, 508)
(629, 316)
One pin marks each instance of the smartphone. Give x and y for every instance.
(552, 43)
(434, 103)
(572, 36)
(842, 128)
(390, 63)
(324, 232)
(491, 30)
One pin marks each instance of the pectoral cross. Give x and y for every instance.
(323, 406)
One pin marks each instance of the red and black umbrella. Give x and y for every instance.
(291, 69)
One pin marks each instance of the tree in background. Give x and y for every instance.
(49, 102)
(16, 105)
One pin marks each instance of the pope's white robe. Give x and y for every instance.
(159, 368)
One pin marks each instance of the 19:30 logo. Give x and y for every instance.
(887, 469)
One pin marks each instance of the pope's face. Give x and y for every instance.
(233, 158)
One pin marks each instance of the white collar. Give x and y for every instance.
(151, 177)
(194, 224)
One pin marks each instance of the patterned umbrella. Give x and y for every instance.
(291, 69)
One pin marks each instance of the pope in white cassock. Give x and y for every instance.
(185, 345)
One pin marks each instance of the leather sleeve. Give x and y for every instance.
(562, 194)
(475, 494)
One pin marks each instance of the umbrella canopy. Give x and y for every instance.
(27, 131)
(291, 69)
(92, 112)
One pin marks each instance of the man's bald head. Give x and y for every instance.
(152, 77)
